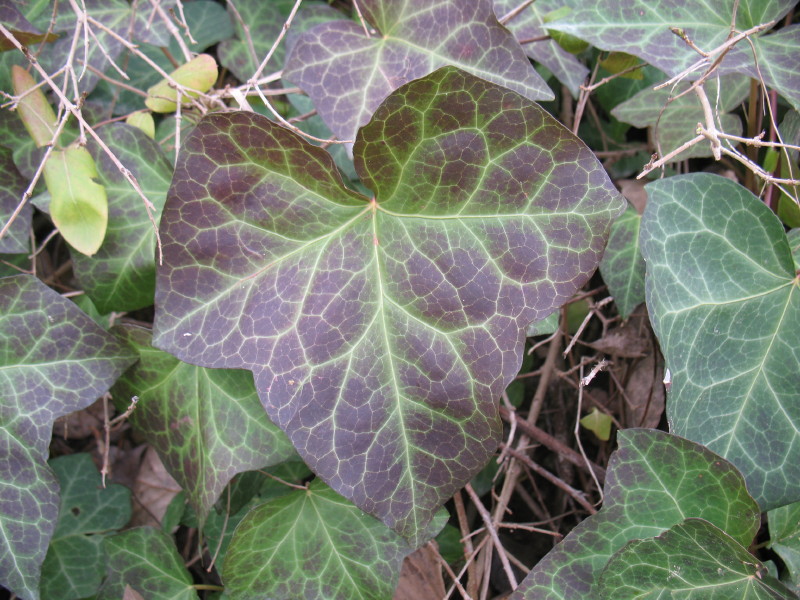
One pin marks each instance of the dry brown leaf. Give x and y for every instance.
(421, 576)
(82, 423)
(131, 594)
(153, 490)
(644, 393)
(633, 190)
(626, 341)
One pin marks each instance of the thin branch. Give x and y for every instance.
(487, 521)
(514, 12)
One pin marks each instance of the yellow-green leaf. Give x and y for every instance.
(199, 74)
(79, 207)
(598, 423)
(144, 121)
(617, 62)
(35, 111)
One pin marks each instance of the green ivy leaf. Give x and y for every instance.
(674, 123)
(794, 244)
(348, 75)
(264, 21)
(312, 544)
(12, 185)
(382, 331)
(54, 360)
(207, 425)
(622, 266)
(546, 326)
(724, 301)
(691, 561)
(642, 28)
(146, 559)
(74, 565)
(531, 24)
(121, 275)
(654, 481)
(784, 539)
(209, 24)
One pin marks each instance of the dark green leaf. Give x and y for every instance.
(12, 185)
(206, 424)
(382, 331)
(691, 561)
(642, 28)
(146, 559)
(264, 21)
(724, 301)
(121, 276)
(312, 544)
(74, 566)
(208, 23)
(546, 326)
(348, 75)
(622, 266)
(54, 360)
(654, 481)
(794, 244)
(784, 539)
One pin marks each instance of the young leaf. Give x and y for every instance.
(78, 205)
(146, 559)
(643, 28)
(382, 331)
(121, 275)
(198, 75)
(724, 300)
(598, 423)
(207, 425)
(654, 481)
(54, 360)
(784, 539)
(622, 266)
(348, 75)
(74, 565)
(35, 111)
(12, 185)
(691, 561)
(312, 544)
(143, 121)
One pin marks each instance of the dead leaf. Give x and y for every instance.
(633, 190)
(644, 393)
(421, 576)
(131, 594)
(153, 490)
(82, 423)
(626, 341)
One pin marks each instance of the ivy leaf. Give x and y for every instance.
(54, 360)
(382, 331)
(794, 243)
(546, 326)
(675, 122)
(312, 544)
(784, 539)
(146, 559)
(691, 561)
(724, 301)
(121, 275)
(12, 186)
(654, 481)
(207, 425)
(20, 28)
(622, 266)
(642, 28)
(530, 24)
(264, 21)
(74, 565)
(348, 75)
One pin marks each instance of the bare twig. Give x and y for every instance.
(490, 528)
(515, 11)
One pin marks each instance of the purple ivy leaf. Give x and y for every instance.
(348, 75)
(13, 184)
(13, 20)
(54, 360)
(381, 331)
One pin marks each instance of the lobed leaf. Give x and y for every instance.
(724, 300)
(74, 565)
(642, 28)
(145, 559)
(312, 544)
(382, 331)
(54, 360)
(691, 561)
(121, 275)
(622, 266)
(348, 74)
(207, 425)
(12, 186)
(654, 481)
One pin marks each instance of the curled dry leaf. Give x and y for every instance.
(153, 490)
(421, 577)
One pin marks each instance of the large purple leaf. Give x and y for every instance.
(54, 360)
(348, 74)
(381, 331)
